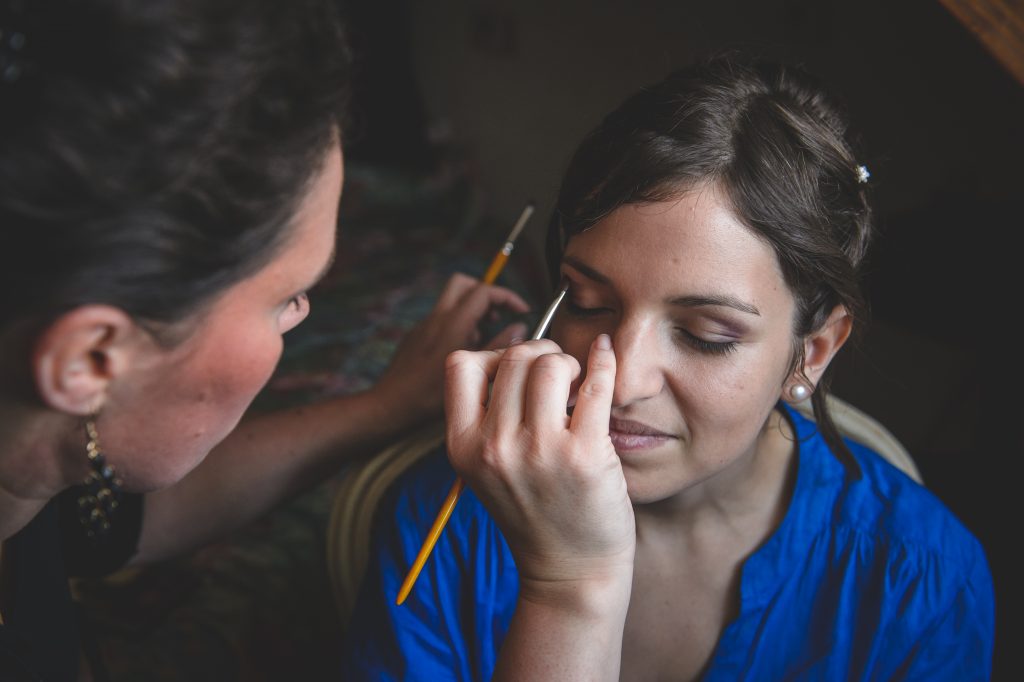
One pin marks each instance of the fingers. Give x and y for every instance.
(547, 392)
(454, 289)
(471, 298)
(507, 402)
(594, 400)
(468, 292)
(467, 376)
(477, 301)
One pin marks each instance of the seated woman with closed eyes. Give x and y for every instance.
(680, 519)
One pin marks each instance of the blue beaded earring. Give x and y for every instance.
(102, 493)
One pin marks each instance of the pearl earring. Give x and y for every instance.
(799, 393)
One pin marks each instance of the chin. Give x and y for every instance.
(147, 477)
(647, 492)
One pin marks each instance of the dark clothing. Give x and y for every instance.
(40, 638)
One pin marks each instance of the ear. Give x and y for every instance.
(76, 358)
(821, 346)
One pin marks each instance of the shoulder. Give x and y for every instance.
(904, 551)
(886, 504)
(904, 579)
(882, 525)
(880, 504)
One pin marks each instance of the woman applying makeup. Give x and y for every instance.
(170, 174)
(681, 520)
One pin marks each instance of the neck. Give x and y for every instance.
(36, 462)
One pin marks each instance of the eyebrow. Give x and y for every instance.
(586, 270)
(693, 301)
(716, 300)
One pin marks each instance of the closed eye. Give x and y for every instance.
(705, 346)
(581, 311)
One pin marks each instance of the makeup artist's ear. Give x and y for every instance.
(76, 358)
(821, 346)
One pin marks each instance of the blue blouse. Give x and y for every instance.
(872, 578)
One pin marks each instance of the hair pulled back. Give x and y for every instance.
(773, 139)
(154, 153)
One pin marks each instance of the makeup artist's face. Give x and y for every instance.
(181, 402)
(701, 322)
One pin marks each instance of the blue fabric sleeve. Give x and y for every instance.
(958, 643)
(451, 625)
(387, 641)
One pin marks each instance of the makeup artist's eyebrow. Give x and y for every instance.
(586, 270)
(715, 300)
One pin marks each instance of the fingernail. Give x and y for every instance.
(516, 340)
(604, 342)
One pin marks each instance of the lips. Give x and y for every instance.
(628, 436)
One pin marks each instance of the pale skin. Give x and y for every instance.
(629, 518)
(170, 418)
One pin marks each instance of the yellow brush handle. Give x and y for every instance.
(453, 495)
(432, 536)
(497, 264)
(493, 270)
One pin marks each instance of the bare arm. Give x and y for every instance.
(572, 632)
(270, 458)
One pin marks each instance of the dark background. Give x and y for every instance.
(507, 89)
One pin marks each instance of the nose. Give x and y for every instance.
(639, 372)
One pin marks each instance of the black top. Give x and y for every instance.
(40, 638)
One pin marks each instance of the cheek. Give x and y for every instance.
(195, 408)
(236, 374)
(575, 340)
(725, 400)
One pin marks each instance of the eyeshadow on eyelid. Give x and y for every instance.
(719, 326)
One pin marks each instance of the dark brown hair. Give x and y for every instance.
(776, 142)
(154, 153)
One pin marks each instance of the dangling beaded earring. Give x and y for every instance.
(102, 493)
(799, 393)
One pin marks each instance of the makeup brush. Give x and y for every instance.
(453, 495)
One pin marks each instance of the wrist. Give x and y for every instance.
(403, 404)
(597, 596)
(392, 407)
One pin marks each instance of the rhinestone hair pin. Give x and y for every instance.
(863, 174)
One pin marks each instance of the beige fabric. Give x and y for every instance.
(355, 503)
(364, 484)
(858, 426)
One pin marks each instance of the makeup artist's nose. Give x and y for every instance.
(639, 373)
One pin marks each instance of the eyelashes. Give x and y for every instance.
(580, 311)
(709, 347)
(690, 339)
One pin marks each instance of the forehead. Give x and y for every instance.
(690, 244)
